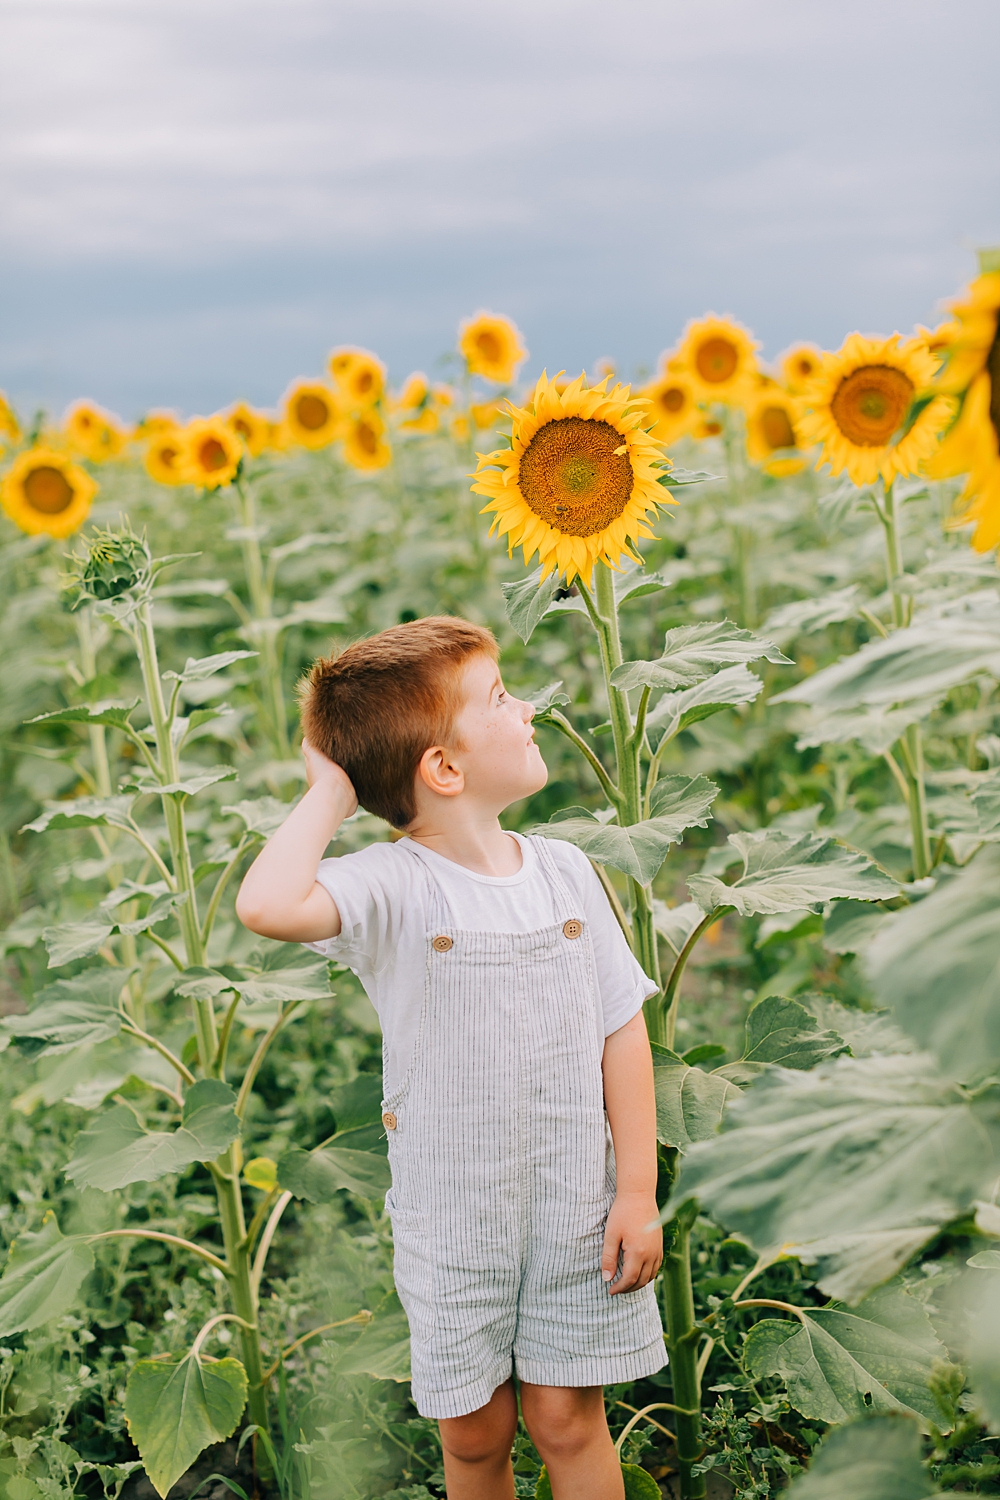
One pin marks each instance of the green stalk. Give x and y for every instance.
(682, 1342)
(911, 745)
(672, 994)
(742, 535)
(226, 1173)
(266, 637)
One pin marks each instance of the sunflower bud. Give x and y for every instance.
(112, 563)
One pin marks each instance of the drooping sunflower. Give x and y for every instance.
(492, 346)
(163, 456)
(673, 404)
(857, 408)
(580, 479)
(971, 372)
(799, 364)
(44, 490)
(93, 432)
(311, 415)
(365, 446)
(771, 416)
(210, 453)
(252, 427)
(717, 355)
(359, 376)
(10, 427)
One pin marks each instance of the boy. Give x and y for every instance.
(511, 1011)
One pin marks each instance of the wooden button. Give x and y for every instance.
(389, 1120)
(572, 928)
(442, 944)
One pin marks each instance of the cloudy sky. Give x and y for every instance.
(200, 197)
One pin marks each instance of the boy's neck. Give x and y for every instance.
(479, 845)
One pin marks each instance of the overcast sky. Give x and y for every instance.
(200, 197)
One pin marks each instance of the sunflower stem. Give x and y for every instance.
(742, 535)
(911, 745)
(265, 636)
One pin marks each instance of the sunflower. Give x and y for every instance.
(579, 480)
(311, 416)
(492, 346)
(359, 376)
(673, 404)
(461, 427)
(706, 427)
(252, 427)
(10, 427)
(771, 416)
(415, 391)
(424, 420)
(485, 414)
(364, 442)
(858, 406)
(799, 364)
(44, 490)
(153, 423)
(93, 432)
(163, 456)
(717, 354)
(210, 453)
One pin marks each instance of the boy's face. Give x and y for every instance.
(499, 758)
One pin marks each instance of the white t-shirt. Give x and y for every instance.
(382, 898)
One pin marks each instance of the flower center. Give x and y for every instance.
(312, 413)
(212, 455)
(489, 345)
(869, 404)
(805, 365)
(168, 456)
(776, 427)
(571, 476)
(366, 438)
(363, 382)
(672, 399)
(716, 360)
(48, 490)
(242, 426)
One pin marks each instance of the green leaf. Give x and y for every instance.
(874, 1459)
(113, 713)
(876, 729)
(864, 1032)
(319, 1175)
(202, 984)
(186, 788)
(674, 477)
(117, 1150)
(921, 661)
(675, 711)
(675, 924)
(692, 652)
(639, 850)
(263, 815)
(526, 602)
(72, 940)
(175, 1409)
(382, 1350)
(782, 1031)
(308, 982)
(358, 1102)
(43, 1274)
(838, 1363)
(70, 1012)
(937, 965)
(689, 1102)
(851, 926)
(852, 1167)
(805, 615)
(547, 697)
(785, 872)
(196, 670)
(163, 907)
(83, 812)
(986, 801)
(983, 1310)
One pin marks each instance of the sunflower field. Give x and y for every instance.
(758, 614)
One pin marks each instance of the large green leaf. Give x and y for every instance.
(805, 615)
(320, 1175)
(678, 802)
(922, 661)
(197, 669)
(62, 1025)
(851, 1167)
(838, 1363)
(937, 965)
(83, 812)
(358, 1103)
(692, 652)
(42, 1276)
(873, 1459)
(675, 711)
(785, 872)
(689, 1102)
(877, 729)
(175, 1409)
(526, 602)
(117, 1149)
(262, 815)
(308, 982)
(188, 786)
(91, 1071)
(163, 907)
(72, 940)
(112, 713)
(382, 1350)
(782, 1031)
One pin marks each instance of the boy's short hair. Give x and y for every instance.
(376, 707)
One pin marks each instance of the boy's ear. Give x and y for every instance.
(438, 772)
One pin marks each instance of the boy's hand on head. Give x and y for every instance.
(633, 1233)
(320, 767)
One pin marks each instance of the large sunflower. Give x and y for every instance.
(579, 480)
(858, 407)
(252, 427)
(210, 453)
(717, 354)
(971, 352)
(93, 432)
(364, 442)
(44, 490)
(163, 456)
(360, 376)
(799, 364)
(772, 416)
(311, 416)
(492, 346)
(673, 404)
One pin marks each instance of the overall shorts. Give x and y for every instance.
(503, 1170)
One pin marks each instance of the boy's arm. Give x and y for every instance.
(633, 1228)
(280, 896)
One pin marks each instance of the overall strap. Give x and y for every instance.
(564, 902)
(439, 910)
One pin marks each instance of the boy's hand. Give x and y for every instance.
(320, 767)
(633, 1231)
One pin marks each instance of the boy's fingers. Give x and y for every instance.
(609, 1258)
(631, 1270)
